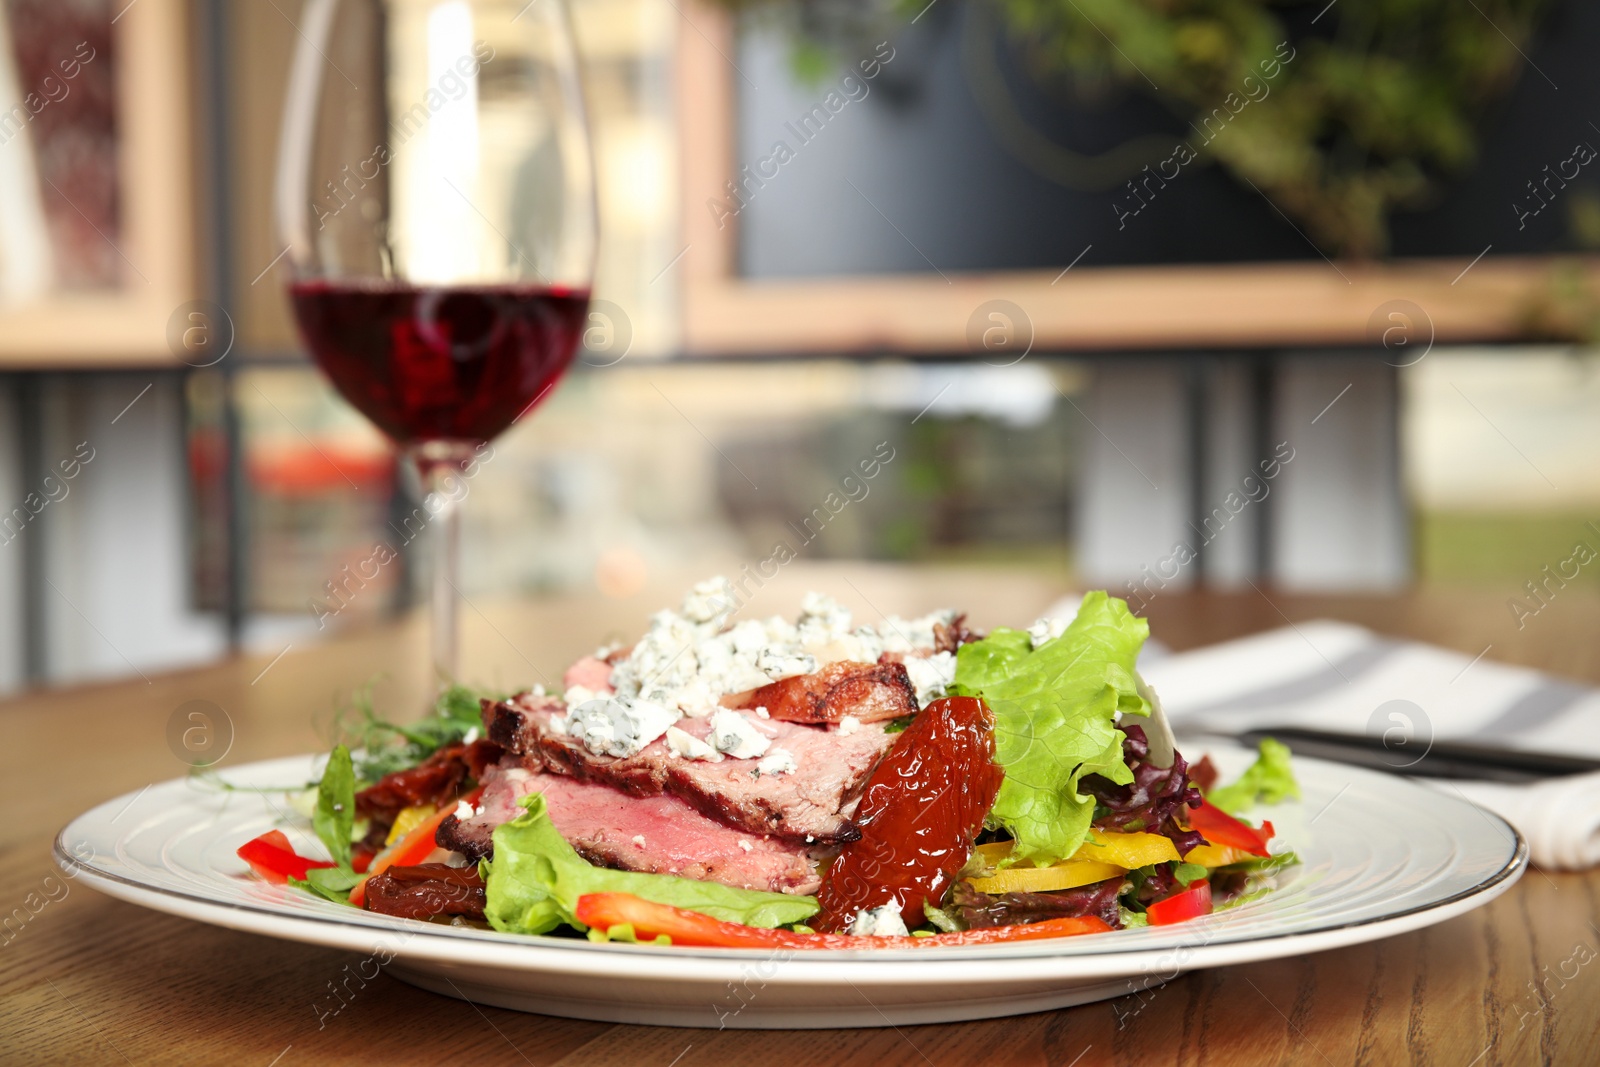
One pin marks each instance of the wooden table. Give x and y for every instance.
(91, 980)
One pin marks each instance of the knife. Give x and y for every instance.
(1435, 759)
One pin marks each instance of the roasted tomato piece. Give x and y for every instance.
(869, 691)
(426, 890)
(921, 811)
(440, 777)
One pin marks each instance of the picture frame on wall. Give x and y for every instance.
(1073, 305)
(97, 241)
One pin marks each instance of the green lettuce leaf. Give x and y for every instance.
(334, 883)
(1055, 709)
(335, 814)
(1269, 780)
(980, 664)
(535, 879)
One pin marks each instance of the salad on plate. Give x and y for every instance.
(807, 784)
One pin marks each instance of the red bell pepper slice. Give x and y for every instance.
(1181, 907)
(274, 860)
(1220, 828)
(690, 928)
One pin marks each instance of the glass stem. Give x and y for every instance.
(446, 595)
(441, 470)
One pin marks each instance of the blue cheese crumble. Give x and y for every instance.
(884, 921)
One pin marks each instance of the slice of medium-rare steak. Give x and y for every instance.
(512, 723)
(589, 673)
(659, 835)
(533, 727)
(868, 692)
(812, 802)
(809, 804)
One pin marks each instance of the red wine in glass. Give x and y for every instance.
(442, 363)
(436, 197)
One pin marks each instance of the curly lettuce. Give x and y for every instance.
(1055, 711)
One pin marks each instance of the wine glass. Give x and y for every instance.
(436, 192)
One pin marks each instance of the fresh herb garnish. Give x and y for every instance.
(387, 747)
(898, 726)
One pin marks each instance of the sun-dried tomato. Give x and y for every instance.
(427, 890)
(440, 777)
(919, 815)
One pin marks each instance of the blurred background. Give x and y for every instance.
(1149, 296)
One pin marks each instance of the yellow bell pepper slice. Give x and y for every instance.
(994, 851)
(1068, 875)
(407, 821)
(1122, 850)
(1127, 850)
(1209, 855)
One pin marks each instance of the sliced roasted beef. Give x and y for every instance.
(812, 803)
(949, 636)
(809, 804)
(659, 834)
(869, 692)
(589, 672)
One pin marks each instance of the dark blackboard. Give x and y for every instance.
(906, 173)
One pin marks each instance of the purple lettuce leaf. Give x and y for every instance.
(1150, 802)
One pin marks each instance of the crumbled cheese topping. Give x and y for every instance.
(638, 840)
(883, 921)
(470, 736)
(778, 664)
(778, 761)
(614, 728)
(690, 659)
(745, 845)
(464, 811)
(762, 713)
(931, 675)
(737, 736)
(580, 694)
(848, 725)
(686, 745)
(1046, 629)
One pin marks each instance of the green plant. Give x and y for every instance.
(1371, 116)
(1375, 106)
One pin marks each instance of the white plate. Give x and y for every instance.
(1381, 857)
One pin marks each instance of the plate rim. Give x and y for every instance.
(575, 955)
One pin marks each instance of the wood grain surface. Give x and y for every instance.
(85, 979)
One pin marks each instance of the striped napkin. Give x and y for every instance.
(1335, 676)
